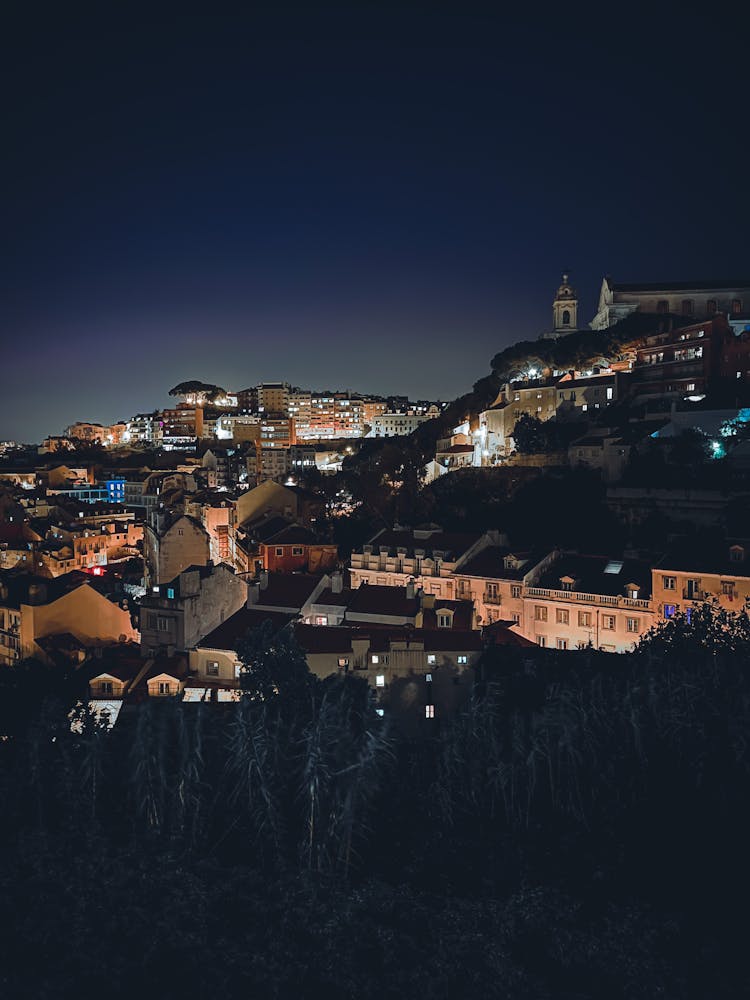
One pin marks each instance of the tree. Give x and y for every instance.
(530, 435)
(273, 664)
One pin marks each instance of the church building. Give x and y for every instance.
(564, 311)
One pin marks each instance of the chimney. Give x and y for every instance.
(37, 593)
(337, 581)
(263, 579)
(253, 594)
(410, 589)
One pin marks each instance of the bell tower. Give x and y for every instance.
(565, 308)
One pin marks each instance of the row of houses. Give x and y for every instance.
(560, 599)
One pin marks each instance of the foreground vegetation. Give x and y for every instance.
(578, 829)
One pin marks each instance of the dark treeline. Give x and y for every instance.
(578, 829)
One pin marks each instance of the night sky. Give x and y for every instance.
(369, 196)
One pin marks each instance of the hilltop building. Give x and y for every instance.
(694, 299)
(564, 311)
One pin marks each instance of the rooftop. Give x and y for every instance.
(598, 575)
(239, 624)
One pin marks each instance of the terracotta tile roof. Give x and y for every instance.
(374, 599)
(331, 599)
(324, 638)
(287, 590)
(235, 627)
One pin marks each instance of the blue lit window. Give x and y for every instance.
(688, 615)
(669, 610)
(170, 593)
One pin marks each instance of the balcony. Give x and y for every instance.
(691, 594)
(600, 600)
(489, 598)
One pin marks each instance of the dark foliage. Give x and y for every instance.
(577, 830)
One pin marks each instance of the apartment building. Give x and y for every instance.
(584, 600)
(34, 609)
(427, 556)
(494, 578)
(701, 569)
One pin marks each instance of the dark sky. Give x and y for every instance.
(368, 196)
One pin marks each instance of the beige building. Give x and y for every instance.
(589, 600)
(494, 578)
(699, 299)
(273, 397)
(32, 609)
(427, 557)
(171, 543)
(536, 397)
(603, 451)
(696, 571)
(174, 615)
(381, 655)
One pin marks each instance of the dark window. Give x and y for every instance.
(736, 307)
(662, 306)
(566, 318)
(687, 307)
(711, 307)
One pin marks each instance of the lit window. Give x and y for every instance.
(375, 659)
(380, 681)
(515, 590)
(610, 392)
(541, 640)
(380, 712)
(170, 593)
(444, 621)
(429, 711)
(584, 619)
(669, 610)
(562, 616)
(727, 588)
(343, 661)
(212, 668)
(608, 622)
(633, 624)
(321, 619)
(463, 659)
(428, 678)
(431, 659)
